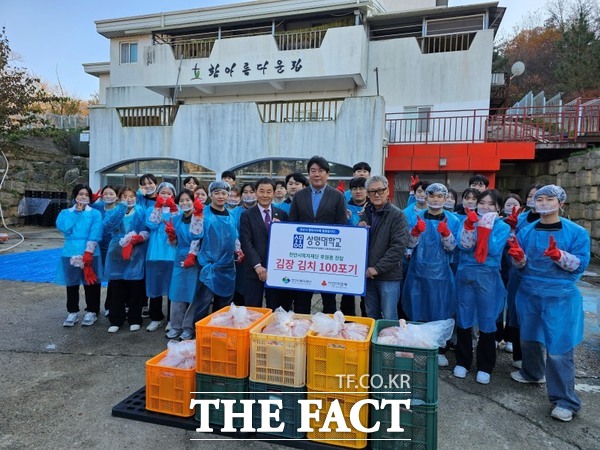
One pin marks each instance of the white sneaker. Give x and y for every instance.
(155, 325)
(561, 413)
(172, 334)
(71, 320)
(168, 327)
(113, 329)
(186, 335)
(483, 377)
(460, 372)
(89, 319)
(517, 364)
(516, 375)
(443, 361)
(508, 348)
(135, 327)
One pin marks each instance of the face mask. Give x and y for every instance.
(470, 205)
(483, 210)
(449, 205)
(109, 201)
(508, 211)
(83, 202)
(150, 192)
(435, 205)
(546, 212)
(186, 208)
(420, 199)
(531, 204)
(131, 202)
(233, 202)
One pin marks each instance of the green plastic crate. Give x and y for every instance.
(289, 415)
(419, 364)
(210, 387)
(419, 423)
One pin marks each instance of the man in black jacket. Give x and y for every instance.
(388, 236)
(317, 203)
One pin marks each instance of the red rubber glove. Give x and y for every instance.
(515, 250)
(127, 250)
(513, 218)
(137, 239)
(189, 261)
(170, 230)
(198, 208)
(552, 251)
(239, 256)
(96, 195)
(471, 219)
(443, 228)
(89, 275)
(341, 186)
(171, 204)
(88, 257)
(413, 183)
(160, 202)
(419, 227)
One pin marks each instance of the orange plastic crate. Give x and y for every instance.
(169, 389)
(327, 358)
(351, 439)
(224, 351)
(276, 359)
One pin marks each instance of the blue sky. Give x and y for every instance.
(53, 38)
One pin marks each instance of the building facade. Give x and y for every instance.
(260, 87)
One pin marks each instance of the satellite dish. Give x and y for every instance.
(517, 69)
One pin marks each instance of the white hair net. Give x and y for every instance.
(437, 188)
(167, 185)
(551, 190)
(217, 186)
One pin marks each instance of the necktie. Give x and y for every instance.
(267, 219)
(316, 202)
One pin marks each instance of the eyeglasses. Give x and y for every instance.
(379, 192)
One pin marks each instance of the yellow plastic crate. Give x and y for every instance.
(169, 389)
(275, 359)
(224, 351)
(352, 439)
(327, 358)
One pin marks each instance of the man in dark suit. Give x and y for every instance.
(255, 223)
(317, 203)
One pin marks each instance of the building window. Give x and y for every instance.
(420, 118)
(129, 52)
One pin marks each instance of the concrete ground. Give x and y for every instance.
(58, 385)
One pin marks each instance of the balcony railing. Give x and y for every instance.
(322, 110)
(148, 116)
(552, 125)
(446, 43)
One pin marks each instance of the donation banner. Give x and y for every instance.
(323, 258)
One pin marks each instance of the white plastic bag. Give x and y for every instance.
(235, 317)
(286, 324)
(426, 335)
(335, 327)
(181, 355)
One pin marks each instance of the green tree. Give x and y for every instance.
(18, 92)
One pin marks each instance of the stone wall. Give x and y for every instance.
(579, 175)
(36, 163)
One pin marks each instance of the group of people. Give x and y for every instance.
(504, 269)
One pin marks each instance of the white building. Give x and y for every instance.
(260, 87)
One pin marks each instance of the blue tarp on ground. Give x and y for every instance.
(35, 267)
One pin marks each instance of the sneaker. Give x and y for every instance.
(508, 347)
(517, 364)
(145, 312)
(460, 372)
(443, 361)
(113, 329)
(71, 320)
(106, 312)
(186, 335)
(172, 334)
(516, 375)
(155, 325)
(483, 377)
(89, 319)
(135, 327)
(168, 327)
(561, 413)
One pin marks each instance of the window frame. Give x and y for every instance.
(128, 45)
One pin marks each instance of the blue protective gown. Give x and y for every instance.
(183, 281)
(549, 304)
(239, 268)
(480, 291)
(120, 223)
(355, 212)
(216, 255)
(429, 288)
(78, 227)
(159, 255)
(285, 206)
(99, 205)
(143, 201)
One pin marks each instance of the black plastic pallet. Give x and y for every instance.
(134, 408)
